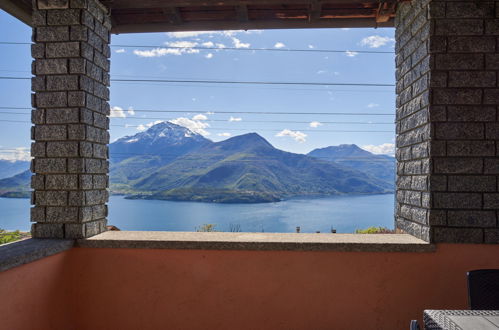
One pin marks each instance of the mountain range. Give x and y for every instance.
(171, 162)
(9, 168)
(350, 155)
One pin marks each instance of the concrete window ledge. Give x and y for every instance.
(26, 251)
(257, 241)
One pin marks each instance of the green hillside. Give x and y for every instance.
(246, 165)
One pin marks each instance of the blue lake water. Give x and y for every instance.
(343, 213)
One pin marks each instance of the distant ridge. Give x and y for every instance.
(379, 166)
(9, 168)
(17, 186)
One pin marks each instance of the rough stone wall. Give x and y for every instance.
(71, 78)
(448, 120)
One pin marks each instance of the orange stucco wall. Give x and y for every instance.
(32, 296)
(194, 289)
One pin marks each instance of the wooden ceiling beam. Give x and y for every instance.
(385, 11)
(250, 25)
(17, 8)
(130, 4)
(315, 9)
(242, 13)
(173, 15)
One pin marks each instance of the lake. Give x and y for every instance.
(343, 213)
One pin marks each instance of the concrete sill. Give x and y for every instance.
(22, 252)
(257, 241)
(26, 251)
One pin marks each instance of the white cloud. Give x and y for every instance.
(385, 148)
(226, 33)
(157, 52)
(252, 31)
(20, 153)
(209, 55)
(200, 117)
(235, 118)
(130, 111)
(297, 135)
(311, 46)
(143, 127)
(120, 51)
(182, 44)
(279, 45)
(191, 34)
(194, 125)
(180, 48)
(351, 53)
(376, 41)
(315, 124)
(321, 72)
(238, 44)
(345, 29)
(373, 105)
(117, 112)
(224, 134)
(210, 113)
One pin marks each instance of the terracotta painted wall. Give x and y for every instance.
(193, 289)
(33, 296)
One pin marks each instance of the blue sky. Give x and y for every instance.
(291, 132)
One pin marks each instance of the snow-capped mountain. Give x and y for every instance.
(163, 139)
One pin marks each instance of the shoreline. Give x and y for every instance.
(280, 199)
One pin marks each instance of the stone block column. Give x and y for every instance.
(447, 69)
(70, 100)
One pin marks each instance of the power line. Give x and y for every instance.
(15, 43)
(236, 129)
(15, 121)
(226, 120)
(275, 130)
(266, 88)
(244, 112)
(253, 82)
(15, 113)
(234, 48)
(272, 113)
(193, 158)
(15, 78)
(286, 83)
(288, 50)
(270, 121)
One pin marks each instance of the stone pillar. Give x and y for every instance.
(71, 78)
(447, 120)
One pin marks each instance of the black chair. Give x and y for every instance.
(483, 289)
(414, 325)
